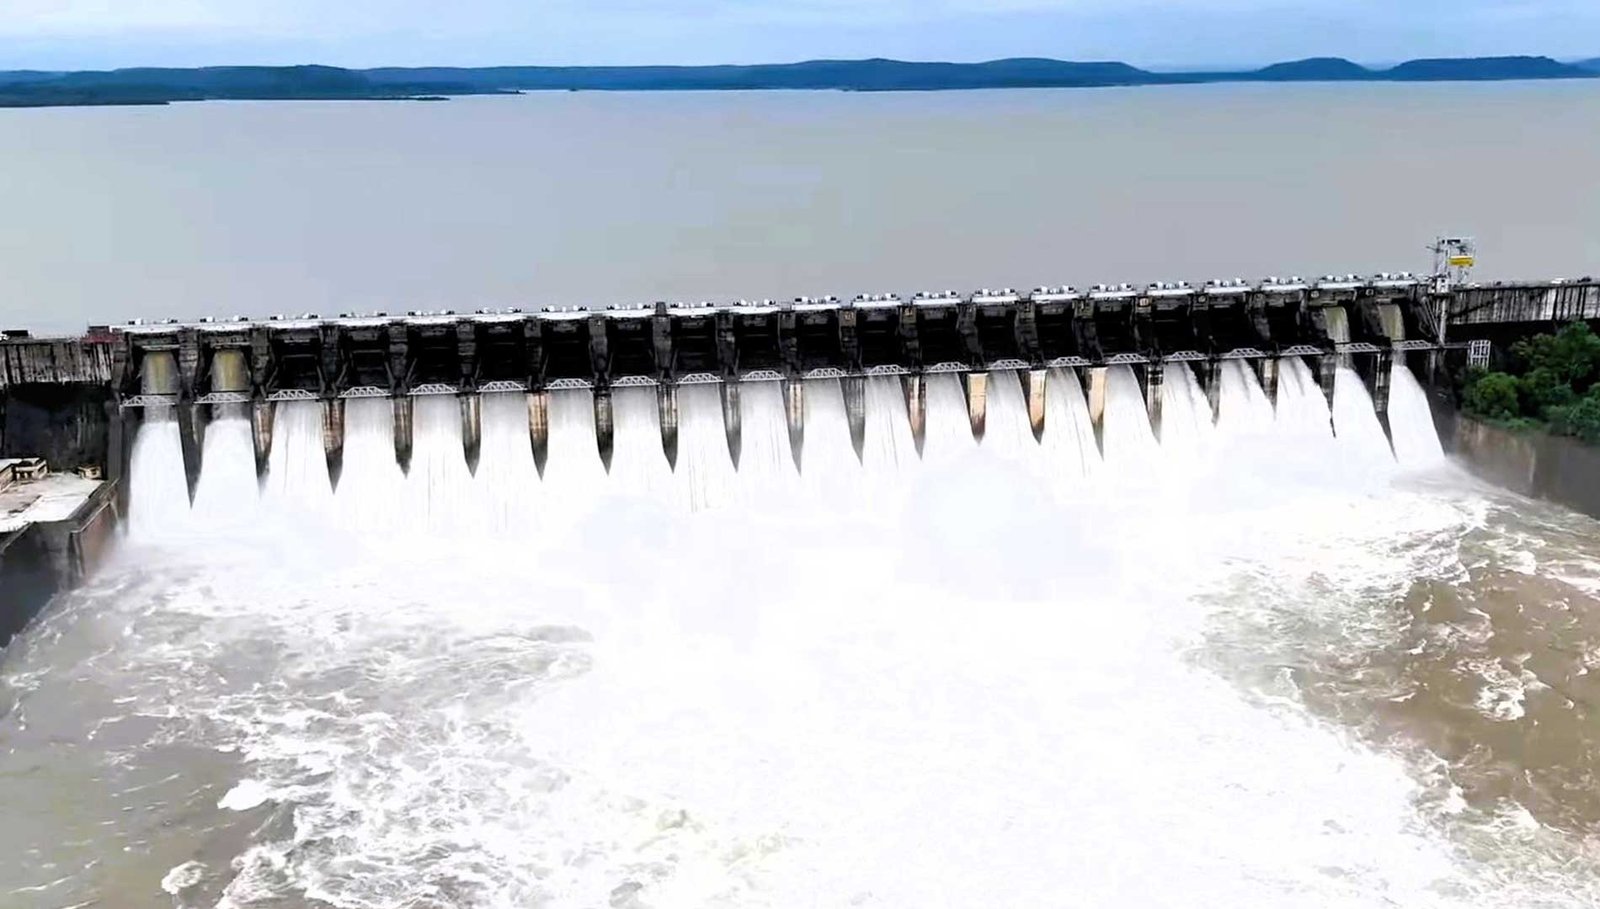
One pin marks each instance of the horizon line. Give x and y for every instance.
(1154, 68)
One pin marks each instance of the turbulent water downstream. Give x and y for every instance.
(1254, 662)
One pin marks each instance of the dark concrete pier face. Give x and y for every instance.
(605, 425)
(976, 386)
(855, 412)
(539, 427)
(333, 438)
(1210, 376)
(1153, 375)
(471, 429)
(667, 414)
(916, 390)
(732, 421)
(404, 418)
(1033, 389)
(262, 414)
(794, 412)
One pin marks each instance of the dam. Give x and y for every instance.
(100, 386)
(79, 403)
(301, 495)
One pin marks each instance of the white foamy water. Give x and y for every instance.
(1069, 444)
(1245, 412)
(1187, 427)
(705, 688)
(297, 469)
(766, 465)
(705, 467)
(1303, 412)
(1128, 443)
(638, 460)
(158, 492)
(227, 489)
(1416, 442)
(372, 494)
(1361, 437)
(949, 437)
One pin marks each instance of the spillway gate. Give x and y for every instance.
(206, 369)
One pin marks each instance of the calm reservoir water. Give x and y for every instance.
(1273, 659)
(607, 198)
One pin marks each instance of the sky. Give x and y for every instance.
(75, 34)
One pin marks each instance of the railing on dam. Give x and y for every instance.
(1549, 301)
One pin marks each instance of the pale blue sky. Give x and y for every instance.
(102, 33)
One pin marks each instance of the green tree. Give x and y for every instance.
(1570, 356)
(1493, 395)
(1544, 390)
(1581, 419)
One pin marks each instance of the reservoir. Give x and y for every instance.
(1271, 657)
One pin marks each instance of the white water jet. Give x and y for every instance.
(297, 468)
(1008, 432)
(1129, 444)
(1360, 435)
(228, 490)
(573, 469)
(372, 496)
(639, 464)
(1069, 448)
(1302, 412)
(1187, 429)
(507, 477)
(158, 495)
(829, 468)
(949, 430)
(889, 453)
(1244, 411)
(439, 483)
(705, 468)
(766, 465)
(1416, 440)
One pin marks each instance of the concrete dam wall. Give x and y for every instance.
(80, 403)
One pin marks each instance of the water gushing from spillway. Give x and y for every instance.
(1187, 427)
(701, 687)
(156, 475)
(1360, 435)
(1416, 442)
(1070, 451)
(226, 490)
(1127, 441)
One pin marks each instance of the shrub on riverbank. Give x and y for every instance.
(1552, 382)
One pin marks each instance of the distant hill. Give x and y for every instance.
(1591, 65)
(161, 86)
(1483, 69)
(1315, 69)
(845, 75)
(30, 88)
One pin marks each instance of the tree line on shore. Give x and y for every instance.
(1550, 382)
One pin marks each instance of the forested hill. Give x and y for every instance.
(161, 86)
